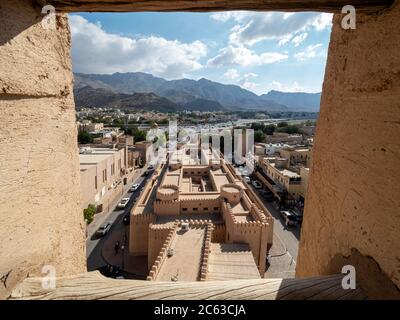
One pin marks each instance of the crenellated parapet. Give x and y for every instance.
(206, 251)
(142, 218)
(255, 233)
(139, 233)
(218, 233)
(257, 213)
(155, 269)
(196, 223)
(227, 213)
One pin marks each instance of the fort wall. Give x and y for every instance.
(352, 206)
(41, 222)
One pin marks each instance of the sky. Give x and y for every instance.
(257, 51)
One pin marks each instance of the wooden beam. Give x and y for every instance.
(213, 5)
(94, 286)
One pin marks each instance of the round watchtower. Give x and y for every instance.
(232, 193)
(168, 193)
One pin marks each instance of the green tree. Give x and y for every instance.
(291, 129)
(137, 134)
(259, 136)
(84, 137)
(309, 123)
(282, 124)
(118, 122)
(89, 213)
(163, 121)
(269, 129)
(257, 126)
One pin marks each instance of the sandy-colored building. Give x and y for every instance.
(141, 152)
(88, 126)
(103, 173)
(229, 233)
(296, 156)
(304, 173)
(282, 137)
(286, 172)
(269, 149)
(278, 178)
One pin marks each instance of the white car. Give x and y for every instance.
(256, 184)
(289, 218)
(247, 179)
(123, 203)
(134, 187)
(104, 228)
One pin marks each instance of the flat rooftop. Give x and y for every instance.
(231, 261)
(185, 262)
(92, 158)
(96, 155)
(286, 172)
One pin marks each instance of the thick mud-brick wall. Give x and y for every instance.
(352, 209)
(41, 222)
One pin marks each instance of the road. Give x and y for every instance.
(94, 245)
(289, 236)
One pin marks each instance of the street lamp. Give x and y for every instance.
(123, 257)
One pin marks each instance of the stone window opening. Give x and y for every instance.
(327, 113)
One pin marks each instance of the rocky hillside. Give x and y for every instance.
(100, 97)
(191, 94)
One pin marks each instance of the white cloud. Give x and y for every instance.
(253, 27)
(284, 40)
(239, 55)
(232, 74)
(324, 20)
(242, 80)
(297, 40)
(246, 82)
(276, 85)
(310, 52)
(249, 85)
(96, 51)
(250, 75)
(228, 15)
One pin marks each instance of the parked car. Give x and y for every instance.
(170, 252)
(150, 168)
(267, 195)
(247, 179)
(111, 271)
(127, 219)
(134, 187)
(104, 228)
(256, 184)
(288, 218)
(123, 203)
(298, 216)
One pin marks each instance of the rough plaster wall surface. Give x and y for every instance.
(213, 5)
(353, 200)
(40, 219)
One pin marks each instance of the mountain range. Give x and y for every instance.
(146, 92)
